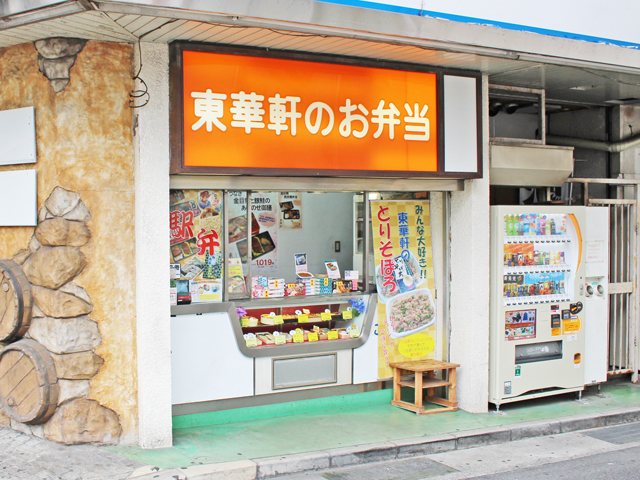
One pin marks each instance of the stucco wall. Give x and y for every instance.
(84, 144)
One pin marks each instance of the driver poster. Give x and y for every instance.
(405, 281)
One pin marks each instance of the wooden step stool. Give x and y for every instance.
(421, 375)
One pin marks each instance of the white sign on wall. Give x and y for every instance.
(17, 136)
(18, 198)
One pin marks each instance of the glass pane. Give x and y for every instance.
(237, 251)
(196, 245)
(305, 243)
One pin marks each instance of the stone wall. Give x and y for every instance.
(85, 145)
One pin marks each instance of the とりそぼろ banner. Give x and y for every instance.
(403, 257)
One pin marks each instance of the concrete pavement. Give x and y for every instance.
(29, 458)
(592, 453)
(25, 457)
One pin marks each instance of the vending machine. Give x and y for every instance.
(537, 345)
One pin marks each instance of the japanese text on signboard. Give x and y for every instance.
(248, 112)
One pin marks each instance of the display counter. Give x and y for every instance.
(326, 313)
(210, 343)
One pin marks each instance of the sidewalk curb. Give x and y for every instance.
(268, 467)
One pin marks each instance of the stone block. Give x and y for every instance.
(77, 290)
(59, 232)
(72, 389)
(59, 304)
(582, 423)
(479, 438)
(34, 244)
(79, 214)
(379, 452)
(37, 430)
(412, 447)
(272, 466)
(77, 366)
(61, 201)
(5, 421)
(618, 418)
(538, 429)
(43, 214)
(20, 427)
(57, 47)
(83, 421)
(56, 68)
(52, 267)
(65, 335)
(21, 256)
(240, 470)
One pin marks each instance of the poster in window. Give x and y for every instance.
(290, 204)
(264, 253)
(195, 240)
(407, 327)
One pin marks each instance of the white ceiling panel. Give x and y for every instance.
(562, 83)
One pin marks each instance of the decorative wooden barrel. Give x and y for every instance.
(28, 382)
(15, 301)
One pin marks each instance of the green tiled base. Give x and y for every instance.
(349, 420)
(301, 407)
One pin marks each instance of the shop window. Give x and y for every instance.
(300, 244)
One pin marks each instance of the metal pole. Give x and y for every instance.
(446, 280)
(249, 239)
(225, 243)
(634, 294)
(615, 310)
(627, 268)
(366, 243)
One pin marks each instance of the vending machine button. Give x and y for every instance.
(575, 308)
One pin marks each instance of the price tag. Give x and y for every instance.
(313, 337)
(324, 316)
(347, 314)
(303, 318)
(353, 332)
(280, 339)
(332, 335)
(251, 342)
(298, 338)
(277, 320)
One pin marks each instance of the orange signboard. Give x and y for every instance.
(244, 112)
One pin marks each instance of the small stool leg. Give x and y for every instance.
(418, 390)
(396, 384)
(452, 395)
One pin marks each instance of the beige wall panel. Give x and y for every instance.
(85, 144)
